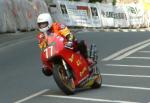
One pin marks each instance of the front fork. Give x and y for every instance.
(66, 69)
(69, 77)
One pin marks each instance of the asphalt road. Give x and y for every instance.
(125, 74)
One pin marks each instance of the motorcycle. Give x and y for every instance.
(69, 68)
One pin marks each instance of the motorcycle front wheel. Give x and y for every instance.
(65, 83)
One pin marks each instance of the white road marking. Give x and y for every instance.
(124, 50)
(88, 99)
(32, 96)
(134, 66)
(144, 51)
(147, 58)
(126, 87)
(131, 52)
(124, 75)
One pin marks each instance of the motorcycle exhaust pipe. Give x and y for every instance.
(93, 53)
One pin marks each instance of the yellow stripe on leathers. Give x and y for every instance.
(65, 31)
(43, 44)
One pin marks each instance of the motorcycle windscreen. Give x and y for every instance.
(54, 47)
(50, 50)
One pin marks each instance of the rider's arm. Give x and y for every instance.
(66, 32)
(42, 41)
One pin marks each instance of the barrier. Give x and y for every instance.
(121, 17)
(95, 15)
(107, 15)
(7, 23)
(136, 14)
(98, 15)
(75, 14)
(20, 14)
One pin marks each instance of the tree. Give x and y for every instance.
(114, 2)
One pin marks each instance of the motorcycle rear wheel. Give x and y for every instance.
(98, 82)
(65, 83)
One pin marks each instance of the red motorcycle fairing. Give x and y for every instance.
(78, 64)
(56, 48)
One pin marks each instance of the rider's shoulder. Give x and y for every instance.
(61, 26)
(55, 24)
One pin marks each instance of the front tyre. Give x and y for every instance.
(65, 83)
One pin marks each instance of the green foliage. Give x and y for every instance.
(114, 2)
(92, 1)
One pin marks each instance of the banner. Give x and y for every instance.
(121, 18)
(63, 13)
(136, 14)
(107, 15)
(99, 15)
(75, 14)
(147, 17)
(79, 14)
(95, 15)
(147, 12)
(54, 13)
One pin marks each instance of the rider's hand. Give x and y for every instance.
(69, 44)
(43, 45)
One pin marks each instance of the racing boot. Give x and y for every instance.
(46, 71)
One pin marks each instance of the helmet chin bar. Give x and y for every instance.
(43, 24)
(44, 30)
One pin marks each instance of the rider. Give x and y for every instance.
(47, 27)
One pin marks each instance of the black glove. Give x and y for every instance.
(69, 45)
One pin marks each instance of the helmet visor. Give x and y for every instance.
(42, 25)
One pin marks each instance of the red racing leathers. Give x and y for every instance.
(59, 29)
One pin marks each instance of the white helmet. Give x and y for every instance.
(44, 22)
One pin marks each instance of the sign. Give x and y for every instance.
(120, 17)
(95, 16)
(136, 14)
(107, 15)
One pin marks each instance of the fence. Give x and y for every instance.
(100, 15)
(20, 14)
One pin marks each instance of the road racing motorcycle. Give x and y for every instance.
(69, 68)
